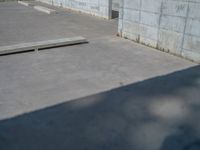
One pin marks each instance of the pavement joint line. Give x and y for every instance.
(24, 3)
(22, 47)
(44, 9)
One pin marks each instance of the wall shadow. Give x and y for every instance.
(162, 113)
(115, 14)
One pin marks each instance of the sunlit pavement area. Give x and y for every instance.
(109, 94)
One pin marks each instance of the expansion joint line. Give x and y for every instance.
(185, 25)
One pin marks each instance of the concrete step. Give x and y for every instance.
(24, 3)
(41, 45)
(45, 10)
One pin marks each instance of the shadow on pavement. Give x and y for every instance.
(162, 113)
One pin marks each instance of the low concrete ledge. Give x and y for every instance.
(24, 3)
(44, 9)
(41, 45)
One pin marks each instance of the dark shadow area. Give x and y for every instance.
(161, 113)
(115, 14)
(12, 53)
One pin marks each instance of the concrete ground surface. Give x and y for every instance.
(109, 94)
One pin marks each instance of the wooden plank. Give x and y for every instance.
(41, 45)
(44, 9)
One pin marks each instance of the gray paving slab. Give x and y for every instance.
(22, 47)
(111, 94)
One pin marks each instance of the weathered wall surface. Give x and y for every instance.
(116, 4)
(94, 7)
(168, 25)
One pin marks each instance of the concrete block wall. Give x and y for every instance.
(168, 25)
(94, 7)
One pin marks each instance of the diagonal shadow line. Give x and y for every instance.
(123, 118)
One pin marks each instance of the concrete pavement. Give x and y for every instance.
(108, 94)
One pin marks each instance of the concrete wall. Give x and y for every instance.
(168, 25)
(95, 7)
(116, 5)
